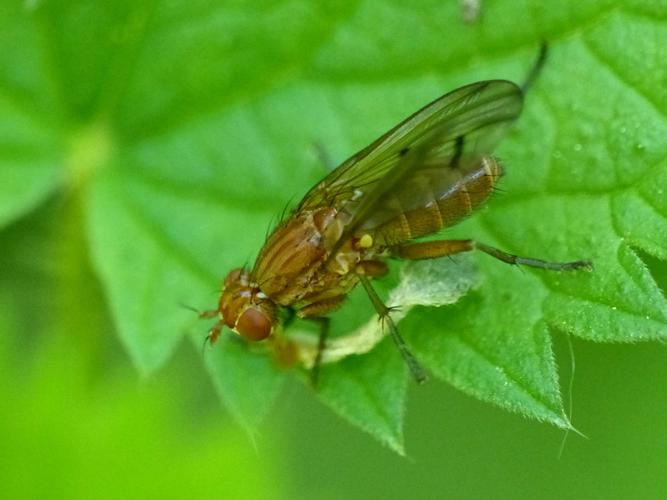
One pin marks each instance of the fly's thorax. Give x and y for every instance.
(289, 264)
(245, 308)
(291, 249)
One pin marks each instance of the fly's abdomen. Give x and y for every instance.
(468, 195)
(433, 200)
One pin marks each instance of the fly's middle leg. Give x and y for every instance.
(373, 268)
(442, 248)
(383, 311)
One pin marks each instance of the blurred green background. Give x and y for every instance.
(78, 420)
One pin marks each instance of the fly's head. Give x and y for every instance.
(245, 308)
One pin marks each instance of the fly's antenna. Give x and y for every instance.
(199, 312)
(190, 308)
(537, 67)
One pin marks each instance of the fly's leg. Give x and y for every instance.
(432, 249)
(316, 312)
(324, 324)
(206, 314)
(527, 261)
(536, 69)
(212, 334)
(284, 351)
(383, 312)
(373, 268)
(442, 248)
(290, 315)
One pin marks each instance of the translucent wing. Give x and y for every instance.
(448, 133)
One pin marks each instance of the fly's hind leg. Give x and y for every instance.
(316, 312)
(442, 248)
(528, 261)
(383, 311)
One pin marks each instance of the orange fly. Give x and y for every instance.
(427, 173)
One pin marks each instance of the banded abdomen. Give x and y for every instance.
(433, 199)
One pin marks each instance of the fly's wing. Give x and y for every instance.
(465, 123)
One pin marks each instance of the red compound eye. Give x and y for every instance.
(253, 324)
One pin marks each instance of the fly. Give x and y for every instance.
(427, 173)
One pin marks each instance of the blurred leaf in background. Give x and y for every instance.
(61, 441)
(168, 136)
(74, 422)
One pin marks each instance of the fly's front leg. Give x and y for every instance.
(316, 312)
(213, 333)
(206, 314)
(442, 248)
(383, 311)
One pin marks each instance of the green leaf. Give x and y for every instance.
(369, 391)
(187, 127)
(30, 147)
(29, 158)
(248, 383)
(494, 346)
